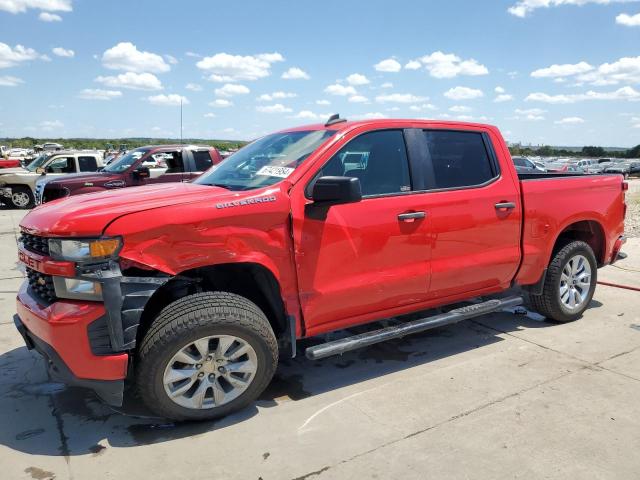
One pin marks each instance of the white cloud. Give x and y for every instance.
(499, 90)
(448, 65)
(21, 6)
(50, 125)
(170, 100)
(624, 93)
(231, 90)
(10, 57)
(463, 93)
(531, 114)
(63, 52)
(400, 98)
(357, 79)
(569, 121)
(460, 109)
(194, 87)
(49, 17)
(99, 94)
(276, 108)
(388, 65)
(422, 108)
(295, 73)
(224, 67)
(307, 115)
(221, 103)
(628, 20)
(564, 70)
(413, 65)
(9, 81)
(323, 102)
(131, 80)
(341, 90)
(525, 7)
(126, 56)
(193, 54)
(358, 99)
(503, 97)
(268, 97)
(210, 115)
(386, 85)
(171, 59)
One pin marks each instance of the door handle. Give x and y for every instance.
(505, 205)
(411, 216)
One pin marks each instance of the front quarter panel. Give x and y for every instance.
(175, 239)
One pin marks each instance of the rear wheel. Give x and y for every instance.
(205, 356)
(569, 284)
(21, 197)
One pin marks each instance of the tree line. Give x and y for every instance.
(103, 143)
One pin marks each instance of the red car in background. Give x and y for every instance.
(9, 163)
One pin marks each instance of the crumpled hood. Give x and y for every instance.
(89, 214)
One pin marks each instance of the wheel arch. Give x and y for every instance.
(589, 231)
(251, 280)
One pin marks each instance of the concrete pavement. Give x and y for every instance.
(503, 396)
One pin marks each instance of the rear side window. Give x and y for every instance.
(87, 164)
(62, 165)
(202, 160)
(378, 159)
(460, 159)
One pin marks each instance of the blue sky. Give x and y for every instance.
(559, 72)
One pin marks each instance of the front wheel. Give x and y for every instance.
(21, 197)
(205, 356)
(569, 284)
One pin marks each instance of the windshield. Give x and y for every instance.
(265, 161)
(124, 162)
(37, 162)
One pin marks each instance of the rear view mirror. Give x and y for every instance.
(336, 190)
(142, 172)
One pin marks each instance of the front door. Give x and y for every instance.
(354, 260)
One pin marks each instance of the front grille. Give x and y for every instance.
(35, 244)
(41, 285)
(51, 193)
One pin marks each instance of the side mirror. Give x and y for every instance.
(40, 170)
(336, 190)
(142, 172)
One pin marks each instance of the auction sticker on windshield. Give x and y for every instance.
(270, 171)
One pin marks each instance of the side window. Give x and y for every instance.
(62, 165)
(88, 164)
(459, 159)
(520, 162)
(378, 159)
(202, 160)
(174, 162)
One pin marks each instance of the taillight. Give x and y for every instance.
(625, 186)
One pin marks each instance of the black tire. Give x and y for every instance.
(549, 303)
(194, 317)
(22, 190)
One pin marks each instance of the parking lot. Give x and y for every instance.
(501, 396)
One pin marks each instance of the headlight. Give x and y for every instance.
(75, 289)
(84, 250)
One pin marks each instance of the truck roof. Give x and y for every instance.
(350, 124)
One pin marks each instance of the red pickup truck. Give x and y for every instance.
(10, 162)
(142, 166)
(192, 291)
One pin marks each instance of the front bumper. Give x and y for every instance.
(60, 333)
(5, 192)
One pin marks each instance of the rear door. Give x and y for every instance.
(475, 213)
(358, 260)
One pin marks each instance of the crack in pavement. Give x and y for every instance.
(453, 418)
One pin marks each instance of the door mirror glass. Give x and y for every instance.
(336, 190)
